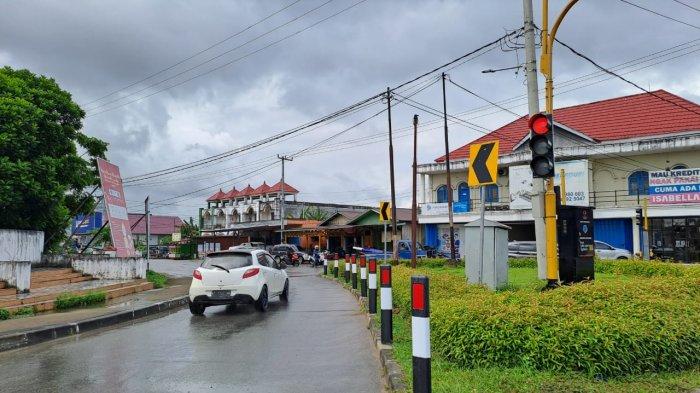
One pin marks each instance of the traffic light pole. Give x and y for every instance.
(645, 230)
(550, 208)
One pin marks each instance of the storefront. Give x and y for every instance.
(677, 238)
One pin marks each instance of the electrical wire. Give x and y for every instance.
(193, 55)
(687, 5)
(660, 14)
(234, 60)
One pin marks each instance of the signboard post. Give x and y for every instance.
(115, 208)
(483, 170)
(384, 216)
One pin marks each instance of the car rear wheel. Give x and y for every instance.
(262, 302)
(621, 257)
(197, 309)
(284, 296)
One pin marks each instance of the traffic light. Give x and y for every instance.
(542, 145)
(640, 216)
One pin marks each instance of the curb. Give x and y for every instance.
(393, 374)
(36, 336)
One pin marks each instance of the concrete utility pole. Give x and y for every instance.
(148, 234)
(282, 200)
(449, 179)
(414, 205)
(534, 108)
(394, 235)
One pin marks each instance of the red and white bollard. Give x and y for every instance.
(372, 303)
(335, 265)
(353, 267)
(347, 268)
(363, 276)
(386, 304)
(420, 334)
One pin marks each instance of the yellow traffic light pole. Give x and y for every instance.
(550, 202)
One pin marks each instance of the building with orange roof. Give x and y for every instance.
(609, 150)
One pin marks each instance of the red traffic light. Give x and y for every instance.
(540, 124)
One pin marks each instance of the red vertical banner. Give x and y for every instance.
(115, 204)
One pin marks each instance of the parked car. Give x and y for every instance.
(288, 253)
(404, 251)
(522, 249)
(305, 256)
(239, 276)
(249, 246)
(605, 251)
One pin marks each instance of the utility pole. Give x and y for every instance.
(148, 233)
(550, 208)
(534, 108)
(449, 179)
(282, 200)
(414, 205)
(394, 235)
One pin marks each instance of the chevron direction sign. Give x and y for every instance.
(384, 211)
(483, 164)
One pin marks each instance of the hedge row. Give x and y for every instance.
(68, 300)
(611, 328)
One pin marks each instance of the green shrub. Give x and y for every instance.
(68, 300)
(611, 328)
(645, 268)
(23, 311)
(4, 314)
(523, 262)
(159, 280)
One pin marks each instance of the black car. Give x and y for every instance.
(287, 253)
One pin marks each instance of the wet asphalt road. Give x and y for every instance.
(316, 343)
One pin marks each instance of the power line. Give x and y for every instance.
(581, 55)
(209, 60)
(194, 54)
(297, 129)
(234, 60)
(687, 5)
(660, 14)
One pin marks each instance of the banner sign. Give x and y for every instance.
(577, 190)
(115, 208)
(440, 209)
(678, 186)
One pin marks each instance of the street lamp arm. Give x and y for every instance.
(557, 22)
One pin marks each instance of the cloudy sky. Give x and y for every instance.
(219, 90)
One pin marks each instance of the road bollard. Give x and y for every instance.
(353, 273)
(335, 265)
(347, 268)
(372, 303)
(325, 266)
(386, 304)
(363, 276)
(420, 334)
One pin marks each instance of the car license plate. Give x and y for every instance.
(220, 294)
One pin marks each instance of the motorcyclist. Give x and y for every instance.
(316, 255)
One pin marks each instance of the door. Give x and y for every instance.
(275, 282)
(604, 251)
(404, 250)
(268, 273)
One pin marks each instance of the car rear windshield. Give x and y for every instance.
(228, 261)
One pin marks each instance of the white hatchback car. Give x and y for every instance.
(237, 276)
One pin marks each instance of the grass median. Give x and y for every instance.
(633, 329)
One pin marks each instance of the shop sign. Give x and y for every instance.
(440, 209)
(680, 186)
(577, 176)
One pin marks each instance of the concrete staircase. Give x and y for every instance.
(47, 284)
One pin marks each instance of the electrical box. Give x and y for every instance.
(576, 246)
(494, 270)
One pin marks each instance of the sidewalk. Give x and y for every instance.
(46, 325)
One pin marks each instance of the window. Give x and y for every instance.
(403, 247)
(463, 192)
(638, 183)
(228, 260)
(271, 262)
(491, 193)
(602, 246)
(442, 194)
(262, 261)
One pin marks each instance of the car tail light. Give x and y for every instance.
(295, 256)
(196, 274)
(251, 272)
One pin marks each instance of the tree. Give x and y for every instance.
(313, 213)
(189, 230)
(43, 180)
